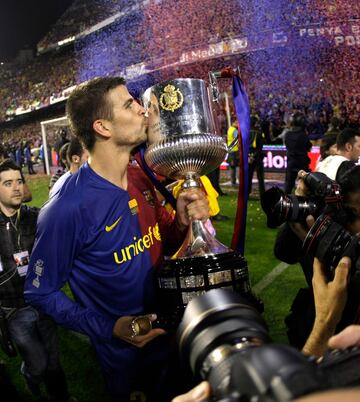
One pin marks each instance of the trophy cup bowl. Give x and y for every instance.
(182, 137)
(183, 144)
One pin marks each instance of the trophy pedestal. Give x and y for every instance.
(182, 279)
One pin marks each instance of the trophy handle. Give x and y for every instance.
(214, 88)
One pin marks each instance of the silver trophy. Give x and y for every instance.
(183, 144)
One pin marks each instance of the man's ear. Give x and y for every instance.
(101, 127)
(348, 147)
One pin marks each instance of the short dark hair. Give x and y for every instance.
(88, 103)
(9, 164)
(346, 136)
(297, 120)
(327, 141)
(75, 148)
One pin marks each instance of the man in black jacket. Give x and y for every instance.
(297, 147)
(33, 334)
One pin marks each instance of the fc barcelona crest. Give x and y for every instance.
(171, 99)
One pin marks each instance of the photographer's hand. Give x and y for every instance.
(301, 188)
(197, 394)
(300, 229)
(123, 330)
(330, 298)
(348, 337)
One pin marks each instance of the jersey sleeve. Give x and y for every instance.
(59, 236)
(172, 236)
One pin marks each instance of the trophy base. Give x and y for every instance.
(182, 279)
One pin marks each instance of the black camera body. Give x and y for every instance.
(327, 239)
(225, 341)
(280, 207)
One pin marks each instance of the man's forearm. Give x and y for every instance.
(72, 315)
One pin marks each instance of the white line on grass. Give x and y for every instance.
(270, 277)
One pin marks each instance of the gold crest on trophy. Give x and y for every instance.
(171, 99)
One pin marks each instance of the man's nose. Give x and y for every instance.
(141, 109)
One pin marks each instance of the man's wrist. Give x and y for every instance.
(316, 343)
(181, 227)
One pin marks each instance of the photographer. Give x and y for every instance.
(288, 248)
(297, 147)
(330, 298)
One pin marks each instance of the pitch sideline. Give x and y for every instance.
(270, 277)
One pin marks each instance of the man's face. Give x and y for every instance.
(129, 124)
(11, 189)
(354, 151)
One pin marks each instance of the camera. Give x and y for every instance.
(280, 207)
(327, 239)
(329, 242)
(226, 342)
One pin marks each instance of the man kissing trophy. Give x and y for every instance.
(183, 145)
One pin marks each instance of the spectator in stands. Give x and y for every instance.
(105, 232)
(334, 126)
(76, 156)
(33, 333)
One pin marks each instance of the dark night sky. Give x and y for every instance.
(24, 22)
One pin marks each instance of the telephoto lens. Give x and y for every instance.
(225, 341)
(280, 207)
(329, 242)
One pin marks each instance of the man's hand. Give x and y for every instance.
(350, 336)
(123, 330)
(301, 188)
(197, 394)
(191, 205)
(301, 229)
(330, 298)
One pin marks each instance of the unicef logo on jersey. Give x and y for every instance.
(138, 246)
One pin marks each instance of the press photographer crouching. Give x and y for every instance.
(336, 209)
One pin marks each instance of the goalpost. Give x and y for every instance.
(45, 125)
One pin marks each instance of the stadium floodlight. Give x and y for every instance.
(45, 125)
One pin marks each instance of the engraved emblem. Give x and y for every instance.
(171, 99)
